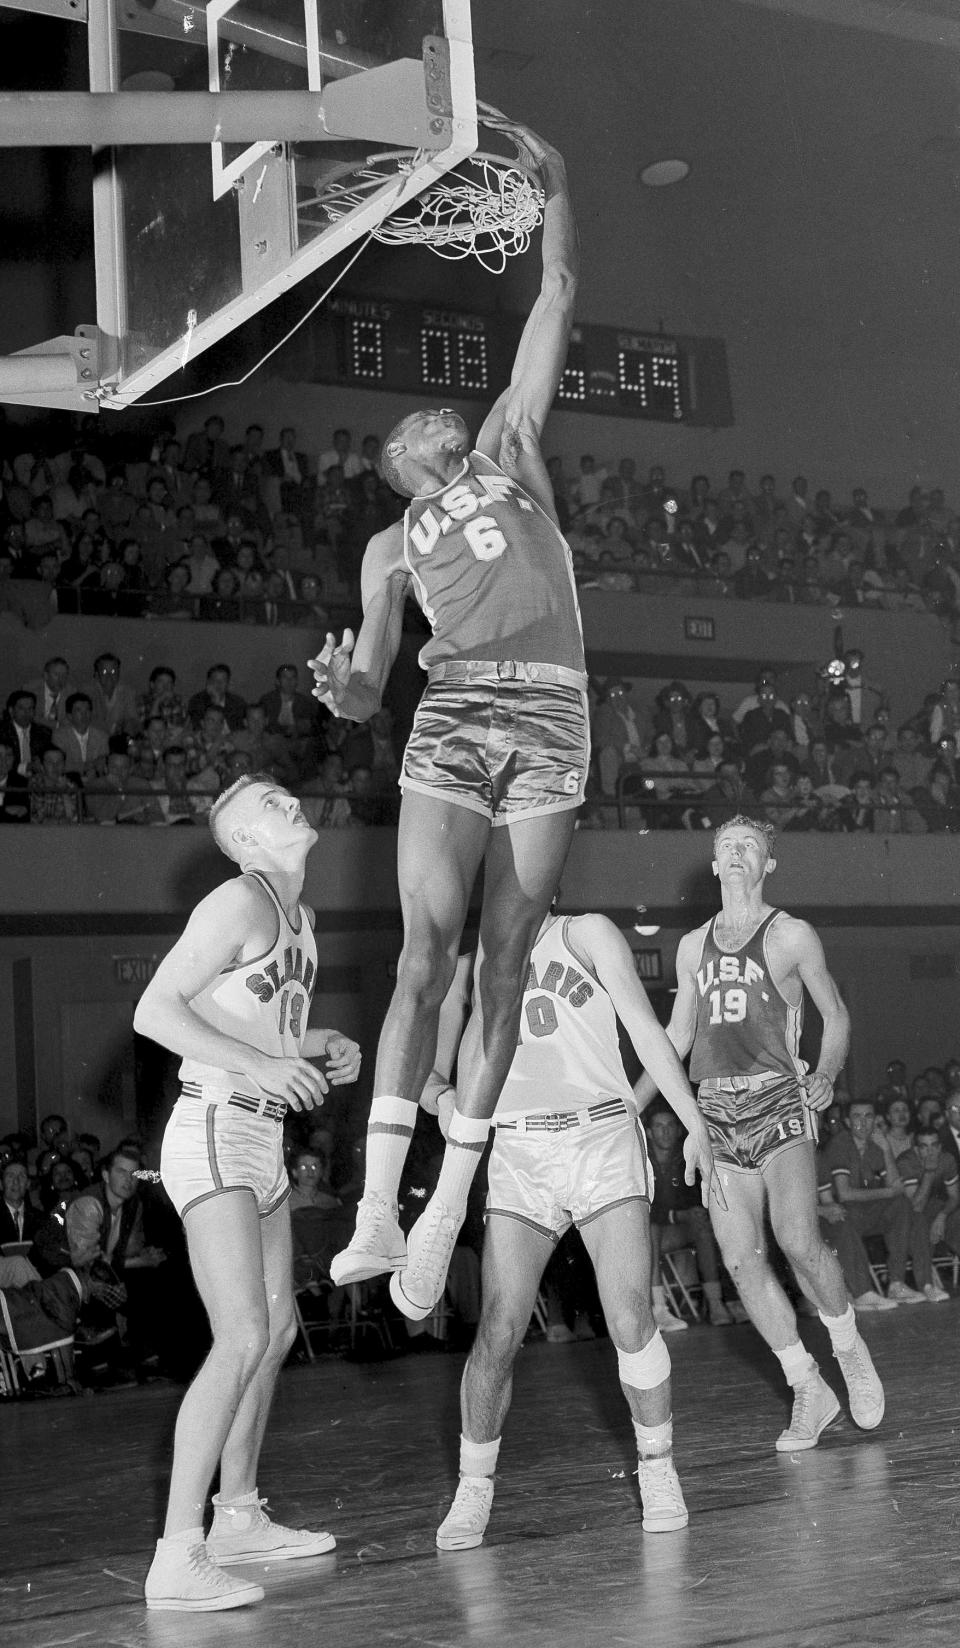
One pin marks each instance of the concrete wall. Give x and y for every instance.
(636, 635)
(87, 914)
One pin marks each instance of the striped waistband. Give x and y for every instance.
(509, 669)
(273, 1109)
(561, 1121)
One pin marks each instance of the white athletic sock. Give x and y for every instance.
(653, 1441)
(461, 1158)
(797, 1363)
(235, 1502)
(842, 1329)
(186, 1537)
(389, 1131)
(478, 1458)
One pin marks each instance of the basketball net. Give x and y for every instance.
(486, 208)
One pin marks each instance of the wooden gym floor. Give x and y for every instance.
(856, 1542)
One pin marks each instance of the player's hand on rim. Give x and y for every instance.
(297, 1081)
(331, 669)
(534, 150)
(818, 1090)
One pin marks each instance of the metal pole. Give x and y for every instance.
(32, 374)
(108, 248)
(41, 120)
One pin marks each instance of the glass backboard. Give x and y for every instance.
(191, 239)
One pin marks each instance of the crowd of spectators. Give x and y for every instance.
(792, 544)
(101, 753)
(824, 759)
(205, 528)
(225, 527)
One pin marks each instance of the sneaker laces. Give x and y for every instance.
(471, 1504)
(852, 1362)
(804, 1398)
(433, 1256)
(371, 1214)
(203, 1567)
(658, 1473)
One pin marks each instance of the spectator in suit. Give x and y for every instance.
(14, 793)
(19, 728)
(217, 693)
(85, 747)
(206, 449)
(114, 703)
(19, 1219)
(760, 718)
(290, 472)
(52, 689)
(290, 712)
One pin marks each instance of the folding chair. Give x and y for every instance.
(681, 1281)
(15, 1357)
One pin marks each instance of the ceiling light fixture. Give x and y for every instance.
(661, 173)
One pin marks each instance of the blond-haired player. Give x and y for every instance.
(738, 1012)
(232, 998)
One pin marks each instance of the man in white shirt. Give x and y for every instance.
(341, 453)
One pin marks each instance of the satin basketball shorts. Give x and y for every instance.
(752, 1118)
(504, 747)
(213, 1147)
(554, 1180)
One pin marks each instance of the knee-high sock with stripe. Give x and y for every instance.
(465, 1142)
(389, 1131)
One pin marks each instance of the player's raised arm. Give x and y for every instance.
(213, 938)
(350, 678)
(511, 432)
(804, 949)
(606, 948)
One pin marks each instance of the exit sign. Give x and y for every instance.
(699, 629)
(649, 965)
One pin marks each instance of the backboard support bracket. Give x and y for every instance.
(63, 372)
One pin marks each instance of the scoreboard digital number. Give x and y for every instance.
(438, 352)
(629, 373)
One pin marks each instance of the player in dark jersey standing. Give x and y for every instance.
(497, 760)
(738, 1012)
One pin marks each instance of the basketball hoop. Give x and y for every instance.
(487, 207)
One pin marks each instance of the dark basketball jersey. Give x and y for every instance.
(492, 572)
(744, 1024)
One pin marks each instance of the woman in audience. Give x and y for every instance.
(899, 1125)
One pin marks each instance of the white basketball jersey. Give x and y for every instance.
(264, 1002)
(568, 1055)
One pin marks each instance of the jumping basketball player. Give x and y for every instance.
(739, 1007)
(568, 1149)
(497, 761)
(232, 997)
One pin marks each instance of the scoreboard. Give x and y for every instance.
(430, 351)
